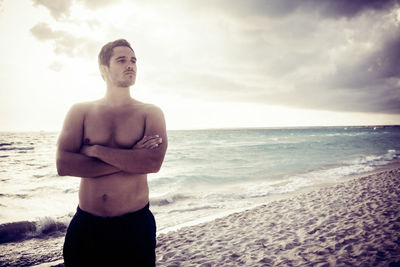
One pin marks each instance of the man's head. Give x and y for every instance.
(106, 51)
(117, 63)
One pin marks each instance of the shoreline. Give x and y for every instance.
(355, 220)
(352, 223)
(394, 164)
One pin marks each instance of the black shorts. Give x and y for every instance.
(127, 240)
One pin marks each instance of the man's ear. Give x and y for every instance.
(103, 71)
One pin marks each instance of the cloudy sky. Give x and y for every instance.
(206, 63)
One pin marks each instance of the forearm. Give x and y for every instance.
(79, 165)
(136, 161)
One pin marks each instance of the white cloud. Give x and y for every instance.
(65, 42)
(94, 4)
(61, 9)
(56, 66)
(57, 8)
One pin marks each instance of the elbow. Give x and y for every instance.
(155, 165)
(61, 168)
(61, 173)
(152, 167)
(155, 168)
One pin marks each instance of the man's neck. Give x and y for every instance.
(118, 96)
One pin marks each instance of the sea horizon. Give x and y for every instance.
(239, 128)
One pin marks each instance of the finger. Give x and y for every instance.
(153, 142)
(138, 146)
(150, 139)
(154, 146)
(141, 141)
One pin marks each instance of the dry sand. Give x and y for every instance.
(355, 223)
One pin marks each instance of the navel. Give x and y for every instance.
(104, 197)
(86, 141)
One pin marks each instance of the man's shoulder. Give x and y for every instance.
(147, 108)
(154, 117)
(152, 110)
(79, 110)
(152, 107)
(84, 106)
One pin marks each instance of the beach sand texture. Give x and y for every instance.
(354, 223)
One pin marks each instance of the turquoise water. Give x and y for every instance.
(205, 173)
(222, 156)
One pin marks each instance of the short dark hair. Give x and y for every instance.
(106, 51)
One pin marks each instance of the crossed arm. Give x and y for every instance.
(146, 159)
(146, 156)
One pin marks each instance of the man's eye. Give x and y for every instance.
(121, 61)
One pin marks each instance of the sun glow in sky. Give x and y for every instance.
(207, 64)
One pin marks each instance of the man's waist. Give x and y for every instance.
(120, 174)
(112, 207)
(87, 215)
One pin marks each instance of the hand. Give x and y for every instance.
(87, 150)
(148, 142)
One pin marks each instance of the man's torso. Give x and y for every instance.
(122, 192)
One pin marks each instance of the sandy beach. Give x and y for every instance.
(352, 223)
(355, 223)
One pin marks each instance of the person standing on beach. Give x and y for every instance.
(112, 144)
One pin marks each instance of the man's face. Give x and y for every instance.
(122, 70)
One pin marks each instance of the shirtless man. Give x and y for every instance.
(112, 144)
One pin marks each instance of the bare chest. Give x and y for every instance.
(120, 129)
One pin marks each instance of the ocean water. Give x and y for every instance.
(206, 173)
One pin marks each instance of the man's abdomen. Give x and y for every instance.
(113, 195)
